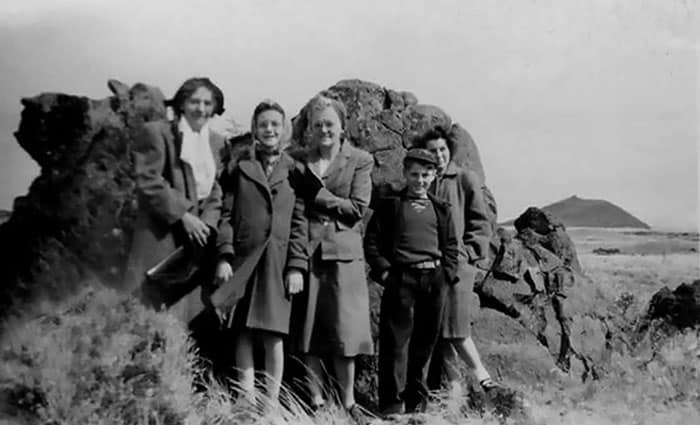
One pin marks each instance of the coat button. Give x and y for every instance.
(274, 191)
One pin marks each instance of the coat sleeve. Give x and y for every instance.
(351, 209)
(450, 252)
(155, 193)
(477, 229)
(377, 261)
(224, 238)
(212, 206)
(298, 248)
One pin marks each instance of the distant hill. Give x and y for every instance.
(579, 212)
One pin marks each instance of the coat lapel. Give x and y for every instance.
(279, 172)
(336, 168)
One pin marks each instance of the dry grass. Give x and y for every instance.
(100, 358)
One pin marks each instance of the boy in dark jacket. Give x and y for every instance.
(412, 251)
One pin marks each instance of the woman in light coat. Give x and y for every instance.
(334, 308)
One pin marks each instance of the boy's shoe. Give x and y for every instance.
(393, 410)
(419, 406)
(358, 415)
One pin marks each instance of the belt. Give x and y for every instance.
(431, 264)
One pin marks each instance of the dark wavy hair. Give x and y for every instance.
(189, 87)
(434, 133)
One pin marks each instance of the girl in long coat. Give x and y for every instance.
(462, 189)
(175, 167)
(262, 248)
(334, 309)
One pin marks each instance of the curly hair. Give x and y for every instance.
(434, 133)
(189, 87)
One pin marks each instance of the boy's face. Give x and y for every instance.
(418, 178)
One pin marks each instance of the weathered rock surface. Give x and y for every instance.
(76, 218)
(679, 308)
(536, 280)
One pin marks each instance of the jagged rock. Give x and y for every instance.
(680, 307)
(549, 232)
(536, 280)
(76, 217)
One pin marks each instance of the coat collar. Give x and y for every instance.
(337, 166)
(252, 167)
(451, 170)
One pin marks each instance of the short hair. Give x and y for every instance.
(434, 133)
(189, 87)
(320, 102)
(266, 105)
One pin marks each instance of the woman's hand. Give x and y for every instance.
(223, 273)
(294, 282)
(196, 230)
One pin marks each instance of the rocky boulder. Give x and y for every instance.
(536, 280)
(76, 218)
(680, 307)
(384, 122)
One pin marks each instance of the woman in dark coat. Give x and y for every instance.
(462, 189)
(262, 246)
(334, 309)
(175, 167)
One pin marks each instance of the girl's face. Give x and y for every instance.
(269, 126)
(440, 149)
(198, 108)
(326, 127)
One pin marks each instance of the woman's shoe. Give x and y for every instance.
(489, 385)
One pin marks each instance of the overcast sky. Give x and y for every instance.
(597, 98)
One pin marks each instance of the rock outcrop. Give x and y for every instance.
(679, 308)
(75, 221)
(76, 218)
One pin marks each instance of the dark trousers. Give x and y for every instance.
(410, 319)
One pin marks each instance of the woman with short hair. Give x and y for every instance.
(334, 308)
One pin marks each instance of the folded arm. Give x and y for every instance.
(350, 210)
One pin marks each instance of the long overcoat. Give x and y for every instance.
(333, 310)
(263, 233)
(462, 190)
(166, 189)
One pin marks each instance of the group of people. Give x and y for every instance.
(278, 243)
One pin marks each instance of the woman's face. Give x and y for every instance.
(325, 126)
(198, 108)
(440, 149)
(269, 126)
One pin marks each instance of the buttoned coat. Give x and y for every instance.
(263, 233)
(166, 189)
(461, 188)
(333, 310)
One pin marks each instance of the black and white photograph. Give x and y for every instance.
(349, 212)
